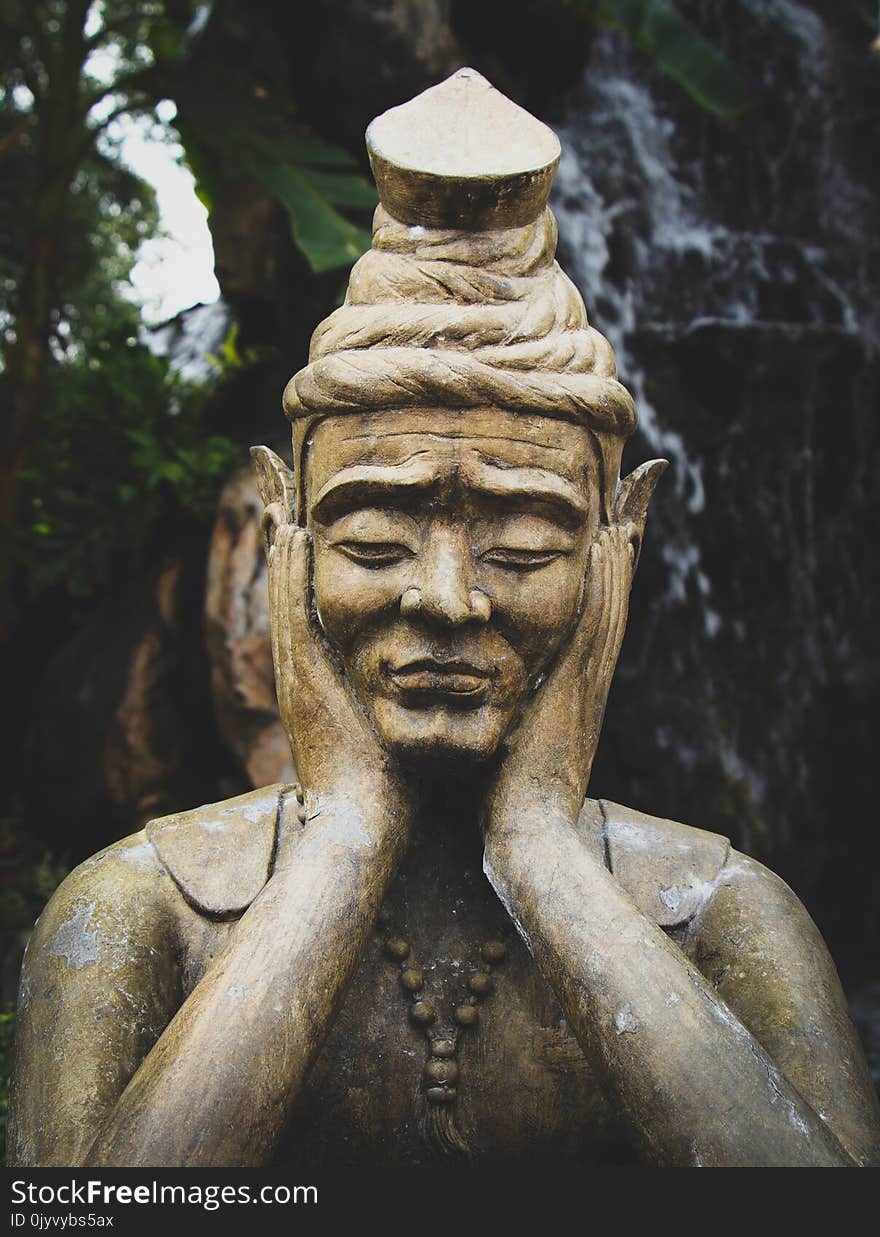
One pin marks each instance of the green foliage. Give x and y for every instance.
(57, 149)
(26, 895)
(124, 447)
(228, 359)
(681, 51)
(111, 212)
(232, 131)
(7, 1033)
(121, 443)
(107, 211)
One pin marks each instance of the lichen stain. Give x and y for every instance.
(141, 854)
(626, 1022)
(671, 897)
(73, 941)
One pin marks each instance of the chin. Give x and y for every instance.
(440, 734)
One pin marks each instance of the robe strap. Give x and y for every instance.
(220, 855)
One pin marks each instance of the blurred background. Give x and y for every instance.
(184, 187)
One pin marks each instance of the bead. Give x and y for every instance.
(397, 948)
(298, 791)
(440, 1095)
(480, 983)
(466, 1015)
(493, 952)
(441, 1072)
(423, 1013)
(301, 815)
(411, 979)
(443, 1047)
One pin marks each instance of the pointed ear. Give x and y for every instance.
(274, 479)
(277, 487)
(633, 497)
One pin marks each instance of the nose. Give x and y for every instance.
(444, 590)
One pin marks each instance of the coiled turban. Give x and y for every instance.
(461, 319)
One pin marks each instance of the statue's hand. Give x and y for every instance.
(334, 748)
(336, 752)
(550, 753)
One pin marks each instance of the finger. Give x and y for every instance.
(280, 616)
(608, 593)
(615, 555)
(303, 656)
(594, 612)
(291, 564)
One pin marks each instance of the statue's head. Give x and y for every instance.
(457, 433)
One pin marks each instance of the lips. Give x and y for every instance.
(444, 677)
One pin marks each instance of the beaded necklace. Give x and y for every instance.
(441, 1072)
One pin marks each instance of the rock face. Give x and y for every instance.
(237, 634)
(731, 267)
(120, 726)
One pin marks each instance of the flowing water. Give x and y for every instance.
(734, 269)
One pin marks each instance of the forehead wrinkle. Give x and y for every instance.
(455, 434)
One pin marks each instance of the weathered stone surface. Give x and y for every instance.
(237, 635)
(140, 756)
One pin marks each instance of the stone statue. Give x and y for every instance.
(435, 945)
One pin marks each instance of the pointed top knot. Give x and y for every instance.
(462, 155)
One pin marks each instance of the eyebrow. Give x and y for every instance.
(374, 486)
(404, 486)
(529, 488)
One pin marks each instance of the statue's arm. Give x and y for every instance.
(700, 1080)
(99, 984)
(218, 1086)
(759, 949)
(114, 1071)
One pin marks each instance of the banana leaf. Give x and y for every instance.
(680, 50)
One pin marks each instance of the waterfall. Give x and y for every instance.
(731, 266)
(191, 339)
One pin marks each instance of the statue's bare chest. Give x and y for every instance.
(516, 1082)
(522, 1087)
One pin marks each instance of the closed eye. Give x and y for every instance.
(521, 560)
(374, 553)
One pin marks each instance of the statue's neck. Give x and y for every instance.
(441, 877)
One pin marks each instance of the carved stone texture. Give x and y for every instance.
(434, 168)
(237, 636)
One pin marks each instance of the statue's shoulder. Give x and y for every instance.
(668, 869)
(220, 855)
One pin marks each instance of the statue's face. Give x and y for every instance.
(449, 560)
